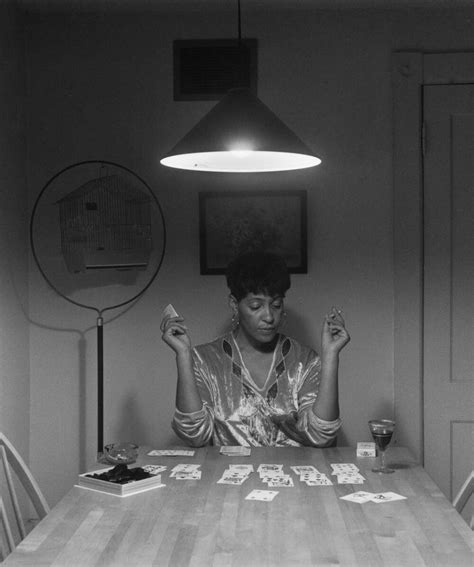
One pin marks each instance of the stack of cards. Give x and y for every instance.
(361, 497)
(171, 453)
(235, 450)
(186, 471)
(347, 473)
(236, 474)
(311, 476)
(274, 476)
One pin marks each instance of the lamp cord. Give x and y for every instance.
(239, 25)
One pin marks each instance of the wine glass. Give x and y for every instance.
(382, 430)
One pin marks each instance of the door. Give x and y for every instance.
(448, 318)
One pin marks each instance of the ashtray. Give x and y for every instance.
(121, 453)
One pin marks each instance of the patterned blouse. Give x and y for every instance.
(237, 412)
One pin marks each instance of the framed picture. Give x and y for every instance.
(234, 222)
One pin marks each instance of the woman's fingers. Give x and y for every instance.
(335, 320)
(336, 315)
(167, 321)
(175, 329)
(334, 330)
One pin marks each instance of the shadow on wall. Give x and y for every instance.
(82, 375)
(132, 426)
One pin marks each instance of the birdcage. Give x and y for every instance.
(105, 224)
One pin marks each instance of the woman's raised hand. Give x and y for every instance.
(334, 335)
(175, 334)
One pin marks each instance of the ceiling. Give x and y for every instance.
(156, 5)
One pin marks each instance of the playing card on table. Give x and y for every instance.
(265, 476)
(361, 497)
(311, 476)
(386, 497)
(280, 481)
(263, 495)
(303, 469)
(267, 470)
(154, 469)
(170, 311)
(235, 480)
(350, 479)
(184, 468)
(231, 473)
(321, 480)
(187, 475)
(344, 468)
(236, 474)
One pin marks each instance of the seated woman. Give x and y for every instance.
(255, 386)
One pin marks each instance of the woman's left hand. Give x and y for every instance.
(334, 335)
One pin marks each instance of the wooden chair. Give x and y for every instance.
(10, 505)
(465, 492)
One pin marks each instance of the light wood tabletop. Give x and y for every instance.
(204, 523)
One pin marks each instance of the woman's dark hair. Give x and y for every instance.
(257, 272)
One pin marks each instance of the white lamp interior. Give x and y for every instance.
(241, 161)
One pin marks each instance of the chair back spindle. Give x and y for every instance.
(10, 542)
(462, 497)
(15, 469)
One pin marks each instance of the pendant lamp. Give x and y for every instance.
(240, 134)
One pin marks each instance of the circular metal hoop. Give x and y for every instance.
(102, 309)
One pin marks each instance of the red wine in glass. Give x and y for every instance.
(382, 431)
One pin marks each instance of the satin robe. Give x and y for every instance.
(237, 412)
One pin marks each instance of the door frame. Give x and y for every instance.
(411, 71)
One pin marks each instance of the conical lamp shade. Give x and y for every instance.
(240, 134)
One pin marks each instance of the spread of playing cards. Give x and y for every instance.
(274, 477)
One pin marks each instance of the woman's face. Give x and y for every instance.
(259, 317)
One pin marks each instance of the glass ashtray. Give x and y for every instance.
(121, 453)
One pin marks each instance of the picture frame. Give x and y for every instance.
(233, 222)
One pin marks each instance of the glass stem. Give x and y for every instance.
(382, 459)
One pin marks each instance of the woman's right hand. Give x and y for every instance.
(175, 334)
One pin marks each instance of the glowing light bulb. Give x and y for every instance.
(241, 153)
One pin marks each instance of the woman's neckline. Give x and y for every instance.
(270, 371)
(248, 344)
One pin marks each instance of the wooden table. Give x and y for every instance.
(202, 523)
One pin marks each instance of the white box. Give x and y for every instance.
(366, 449)
(134, 487)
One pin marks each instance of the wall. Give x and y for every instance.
(101, 88)
(14, 361)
